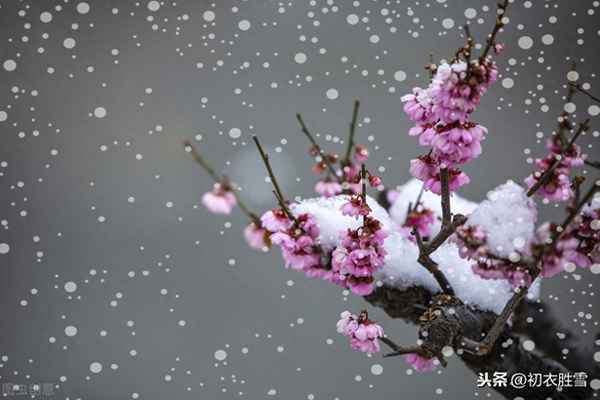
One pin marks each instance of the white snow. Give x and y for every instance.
(401, 269)
(331, 221)
(507, 217)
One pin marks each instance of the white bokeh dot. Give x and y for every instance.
(70, 287)
(332, 94)
(235, 133)
(83, 8)
(153, 5)
(45, 17)
(4, 248)
(244, 25)
(400, 75)
(525, 42)
(100, 112)
(95, 367)
(209, 15)
(69, 43)
(300, 58)
(10, 65)
(220, 355)
(547, 39)
(508, 83)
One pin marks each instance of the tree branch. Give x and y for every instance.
(277, 192)
(350, 145)
(317, 147)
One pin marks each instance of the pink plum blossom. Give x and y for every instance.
(328, 188)
(275, 220)
(220, 201)
(419, 218)
(420, 363)
(256, 236)
(355, 206)
(363, 333)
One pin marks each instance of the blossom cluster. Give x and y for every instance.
(577, 246)
(363, 332)
(360, 253)
(473, 245)
(442, 114)
(557, 185)
(347, 177)
(298, 239)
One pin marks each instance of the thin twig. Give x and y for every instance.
(593, 164)
(544, 177)
(444, 180)
(585, 92)
(573, 213)
(502, 7)
(277, 192)
(350, 145)
(202, 162)
(399, 350)
(221, 179)
(547, 174)
(317, 147)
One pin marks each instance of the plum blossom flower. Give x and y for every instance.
(356, 206)
(419, 218)
(328, 188)
(299, 243)
(363, 332)
(361, 154)
(557, 187)
(359, 255)
(442, 114)
(427, 169)
(560, 160)
(375, 180)
(256, 236)
(221, 200)
(420, 363)
(275, 220)
(472, 245)
(418, 106)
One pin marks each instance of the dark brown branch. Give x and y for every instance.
(573, 213)
(317, 147)
(449, 225)
(585, 92)
(399, 350)
(593, 164)
(202, 162)
(431, 265)
(500, 322)
(461, 327)
(444, 180)
(546, 175)
(277, 192)
(502, 7)
(350, 145)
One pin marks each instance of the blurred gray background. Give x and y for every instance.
(108, 258)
